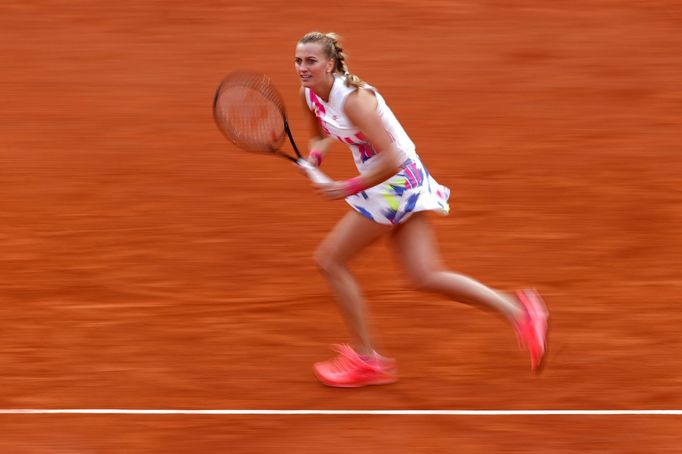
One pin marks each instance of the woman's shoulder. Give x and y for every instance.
(360, 104)
(361, 98)
(361, 95)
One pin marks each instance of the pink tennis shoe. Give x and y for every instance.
(532, 329)
(351, 370)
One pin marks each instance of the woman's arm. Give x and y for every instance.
(361, 109)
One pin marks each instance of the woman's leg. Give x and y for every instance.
(351, 235)
(415, 244)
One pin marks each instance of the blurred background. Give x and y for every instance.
(147, 263)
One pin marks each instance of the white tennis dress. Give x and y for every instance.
(410, 190)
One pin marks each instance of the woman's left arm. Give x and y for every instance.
(361, 109)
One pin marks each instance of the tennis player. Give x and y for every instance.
(392, 194)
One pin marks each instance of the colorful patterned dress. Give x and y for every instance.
(410, 190)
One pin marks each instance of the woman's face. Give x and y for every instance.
(312, 65)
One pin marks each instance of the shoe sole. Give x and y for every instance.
(375, 382)
(357, 385)
(539, 307)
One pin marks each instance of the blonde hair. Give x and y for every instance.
(333, 50)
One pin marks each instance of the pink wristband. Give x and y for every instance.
(353, 186)
(317, 155)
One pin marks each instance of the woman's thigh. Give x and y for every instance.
(349, 236)
(415, 244)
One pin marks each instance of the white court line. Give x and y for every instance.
(116, 411)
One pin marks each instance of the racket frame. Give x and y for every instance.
(264, 85)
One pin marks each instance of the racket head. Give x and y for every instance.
(250, 113)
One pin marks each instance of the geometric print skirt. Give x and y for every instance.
(410, 190)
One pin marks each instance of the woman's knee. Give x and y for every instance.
(326, 261)
(425, 280)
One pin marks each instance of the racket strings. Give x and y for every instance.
(250, 113)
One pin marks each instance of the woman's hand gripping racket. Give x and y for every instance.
(250, 113)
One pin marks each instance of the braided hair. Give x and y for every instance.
(330, 43)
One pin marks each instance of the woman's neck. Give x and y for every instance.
(325, 89)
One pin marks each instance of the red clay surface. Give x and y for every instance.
(146, 263)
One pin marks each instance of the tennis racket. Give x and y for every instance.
(251, 114)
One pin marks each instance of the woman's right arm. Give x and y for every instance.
(319, 143)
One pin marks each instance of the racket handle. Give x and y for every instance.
(315, 175)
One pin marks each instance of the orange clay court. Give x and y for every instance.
(148, 264)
